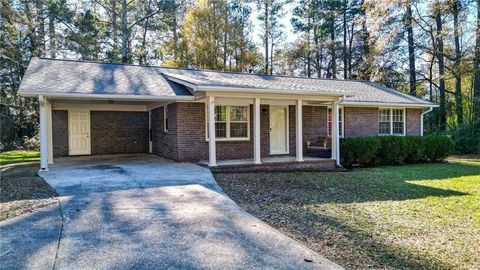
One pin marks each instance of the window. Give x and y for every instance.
(340, 121)
(384, 122)
(391, 122)
(165, 118)
(231, 122)
(397, 122)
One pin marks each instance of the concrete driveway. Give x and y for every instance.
(144, 212)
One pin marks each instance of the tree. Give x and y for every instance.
(476, 71)
(441, 64)
(458, 58)
(270, 12)
(411, 49)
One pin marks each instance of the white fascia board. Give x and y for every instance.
(387, 105)
(215, 88)
(106, 96)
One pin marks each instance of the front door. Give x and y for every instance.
(79, 133)
(278, 130)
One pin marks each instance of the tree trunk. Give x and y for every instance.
(124, 32)
(143, 55)
(266, 37)
(114, 31)
(476, 69)
(318, 66)
(441, 68)
(309, 53)
(41, 27)
(332, 49)
(52, 35)
(458, 56)
(345, 56)
(271, 56)
(411, 50)
(225, 33)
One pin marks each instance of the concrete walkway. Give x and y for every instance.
(144, 212)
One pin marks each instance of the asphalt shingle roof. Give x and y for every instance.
(63, 76)
(75, 77)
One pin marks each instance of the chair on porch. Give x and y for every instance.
(319, 146)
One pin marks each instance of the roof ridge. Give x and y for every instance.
(196, 69)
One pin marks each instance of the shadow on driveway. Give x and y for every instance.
(140, 211)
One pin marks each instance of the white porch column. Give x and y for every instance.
(43, 134)
(299, 130)
(49, 132)
(335, 134)
(256, 132)
(212, 155)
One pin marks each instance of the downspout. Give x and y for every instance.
(421, 119)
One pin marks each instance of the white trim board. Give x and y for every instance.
(100, 107)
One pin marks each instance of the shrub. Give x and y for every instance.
(394, 150)
(467, 145)
(359, 150)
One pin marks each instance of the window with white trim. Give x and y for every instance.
(391, 121)
(231, 123)
(340, 122)
(165, 118)
(398, 121)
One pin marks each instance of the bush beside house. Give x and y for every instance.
(394, 150)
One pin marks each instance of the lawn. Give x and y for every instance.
(22, 190)
(423, 216)
(18, 156)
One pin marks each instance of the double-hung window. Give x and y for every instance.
(391, 121)
(340, 121)
(231, 123)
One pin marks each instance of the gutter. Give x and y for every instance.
(421, 119)
(106, 96)
(387, 105)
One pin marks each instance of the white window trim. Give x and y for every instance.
(391, 121)
(342, 127)
(228, 138)
(165, 118)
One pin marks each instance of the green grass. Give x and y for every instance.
(424, 216)
(19, 156)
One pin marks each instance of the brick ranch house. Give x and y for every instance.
(89, 108)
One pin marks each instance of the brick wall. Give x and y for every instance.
(291, 130)
(60, 133)
(314, 123)
(164, 144)
(118, 132)
(191, 142)
(413, 121)
(360, 121)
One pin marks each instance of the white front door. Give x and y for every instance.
(79, 133)
(278, 130)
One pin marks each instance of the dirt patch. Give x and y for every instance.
(23, 191)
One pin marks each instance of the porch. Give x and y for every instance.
(282, 128)
(282, 163)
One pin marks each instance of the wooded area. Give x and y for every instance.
(428, 48)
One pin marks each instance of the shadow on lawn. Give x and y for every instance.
(364, 185)
(375, 251)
